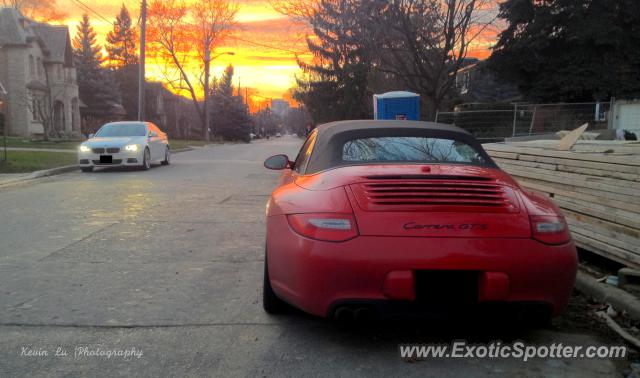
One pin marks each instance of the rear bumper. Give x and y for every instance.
(315, 276)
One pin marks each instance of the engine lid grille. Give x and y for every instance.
(457, 195)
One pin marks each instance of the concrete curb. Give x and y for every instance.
(61, 170)
(39, 174)
(177, 151)
(52, 171)
(605, 293)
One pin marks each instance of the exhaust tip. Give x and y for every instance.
(363, 314)
(344, 314)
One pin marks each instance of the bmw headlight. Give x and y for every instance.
(131, 147)
(84, 149)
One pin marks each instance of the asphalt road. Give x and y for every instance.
(169, 262)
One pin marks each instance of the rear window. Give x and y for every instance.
(409, 149)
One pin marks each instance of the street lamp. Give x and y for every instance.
(223, 53)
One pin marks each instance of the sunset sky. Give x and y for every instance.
(264, 44)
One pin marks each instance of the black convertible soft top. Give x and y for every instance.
(327, 152)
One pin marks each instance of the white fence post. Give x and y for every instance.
(515, 115)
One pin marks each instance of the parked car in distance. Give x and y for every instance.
(127, 143)
(377, 218)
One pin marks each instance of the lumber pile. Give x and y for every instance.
(597, 185)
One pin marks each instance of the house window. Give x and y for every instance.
(32, 66)
(36, 109)
(39, 68)
(464, 88)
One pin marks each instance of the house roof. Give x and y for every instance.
(56, 39)
(11, 33)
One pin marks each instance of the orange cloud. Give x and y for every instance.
(265, 43)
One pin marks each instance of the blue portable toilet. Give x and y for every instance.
(397, 105)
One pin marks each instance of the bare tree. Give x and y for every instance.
(300, 11)
(185, 38)
(419, 43)
(425, 42)
(42, 109)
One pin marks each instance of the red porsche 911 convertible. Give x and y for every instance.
(393, 217)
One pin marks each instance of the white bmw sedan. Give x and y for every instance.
(124, 144)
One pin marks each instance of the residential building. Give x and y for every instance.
(477, 84)
(174, 114)
(38, 73)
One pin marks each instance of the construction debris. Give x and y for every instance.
(597, 185)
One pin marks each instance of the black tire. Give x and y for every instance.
(167, 157)
(86, 169)
(270, 301)
(146, 160)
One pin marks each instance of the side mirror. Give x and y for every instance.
(90, 136)
(153, 134)
(278, 162)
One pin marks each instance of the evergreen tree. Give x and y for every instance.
(229, 115)
(121, 47)
(337, 87)
(122, 41)
(97, 87)
(224, 86)
(567, 50)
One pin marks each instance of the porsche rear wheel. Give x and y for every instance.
(270, 302)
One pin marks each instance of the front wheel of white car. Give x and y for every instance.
(167, 157)
(146, 160)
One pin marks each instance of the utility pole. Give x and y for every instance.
(4, 122)
(205, 104)
(141, 72)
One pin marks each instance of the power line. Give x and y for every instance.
(88, 8)
(266, 45)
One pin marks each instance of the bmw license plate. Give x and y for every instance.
(106, 159)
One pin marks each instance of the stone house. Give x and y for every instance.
(38, 74)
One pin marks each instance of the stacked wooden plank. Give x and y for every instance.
(597, 184)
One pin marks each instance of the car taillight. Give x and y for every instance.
(550, 229)
(325, 226)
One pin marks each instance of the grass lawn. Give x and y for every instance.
(182, 143)
(24, 142)
(29, 161)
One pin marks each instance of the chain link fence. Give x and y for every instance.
(526, 119)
